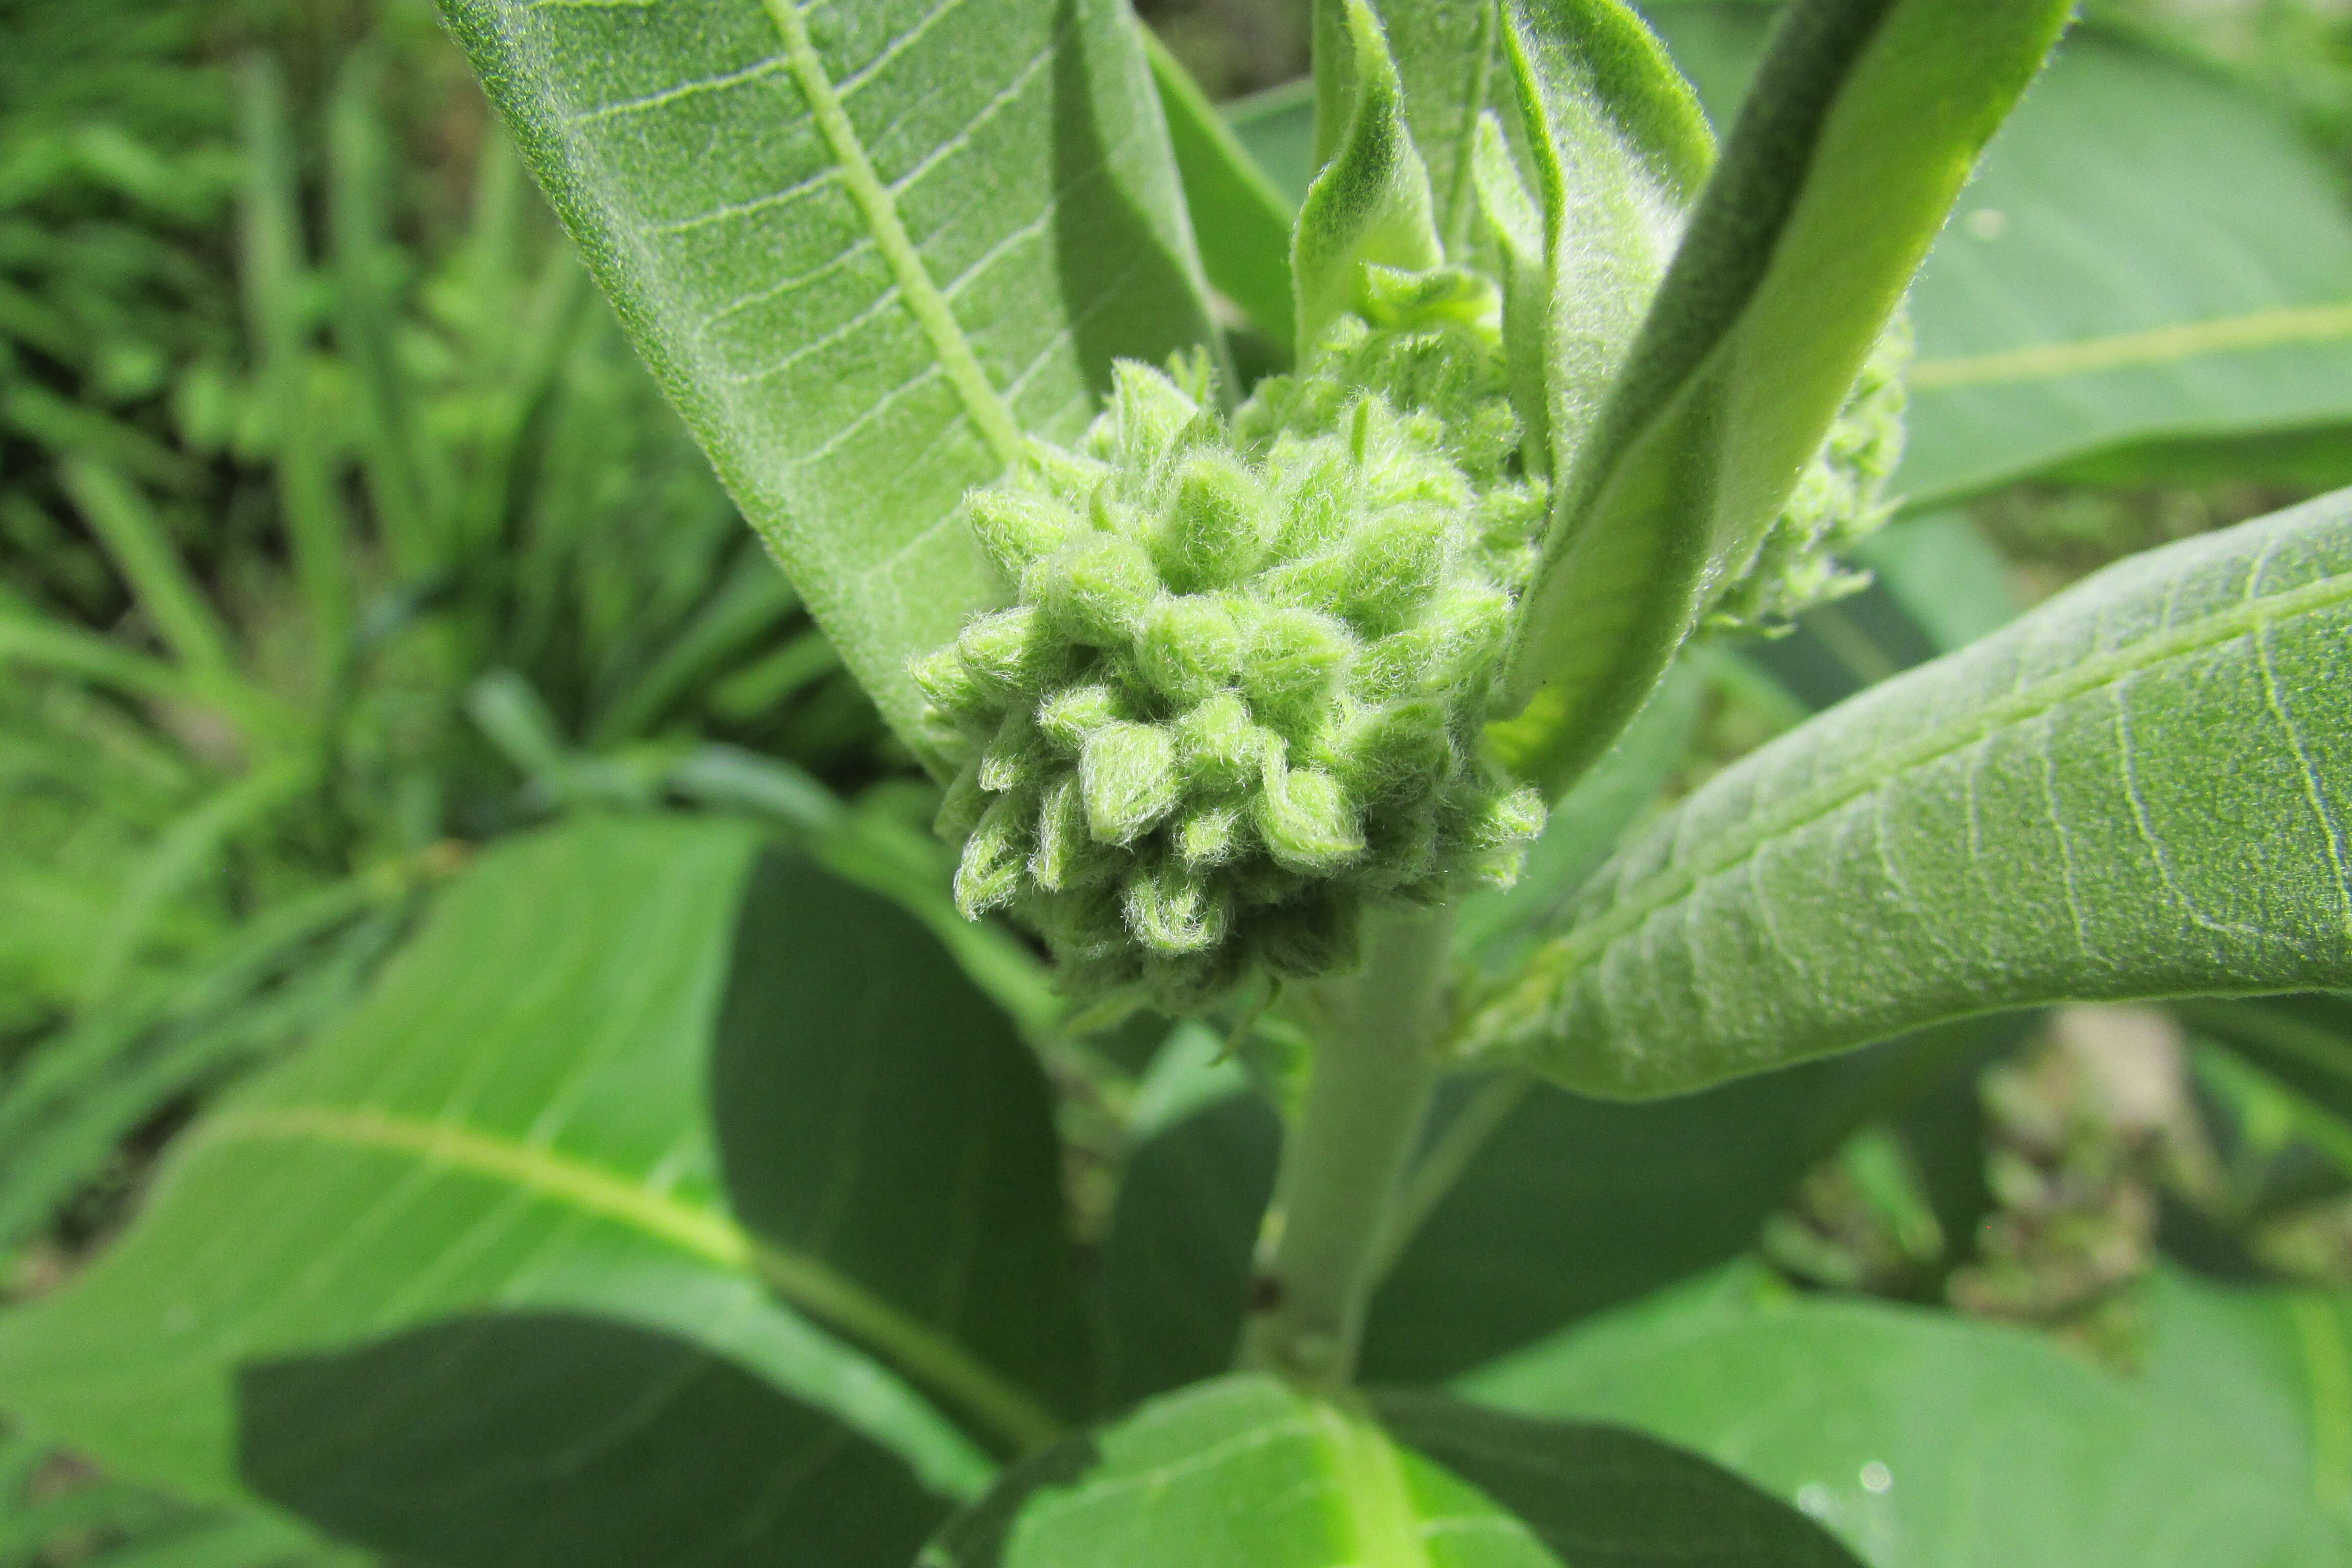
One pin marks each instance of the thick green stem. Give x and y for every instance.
(1344, 1157)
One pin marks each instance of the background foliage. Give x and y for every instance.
(342, 537)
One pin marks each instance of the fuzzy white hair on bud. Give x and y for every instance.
(1239, 699)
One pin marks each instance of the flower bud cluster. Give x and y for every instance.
(1839, 500)
(1240, 695)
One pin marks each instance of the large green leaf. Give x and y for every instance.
(1866, 119)
(1548, 1207)
(1923, 1439)
(866, 248)
(496, 1171)
(1246, 1473)
(878, 1115)
(1569, 1206)
(2138, 790)
(1243, 1472)
(2149, 252)
(1604, 1496)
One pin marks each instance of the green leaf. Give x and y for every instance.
(866, 251)
(1497, 925)
(1603, 1497)
(2090, 298)
(1241, 220)
(525, 1437)
(1924, 1440)
(508, 1136)
(1619, 149)
(1370, 207)
(1449, 64)
(1243, 1472)
(1569, 1207)
(879, 1119)
(2269, 1369)
(1550, 1207)
(2137, 790)
(1867, 119)
(1277, 127)
(1176, 1267)
(2197, 288)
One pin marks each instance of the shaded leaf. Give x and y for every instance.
(866, 251)
(1245, 1472)
(1559, 1208)
(1175, 1271)
(878, 1116)
(1867, 118)
(1921, 1438)
(2136, 791)
(1571, 1207)
(536, 1439)
(512, 1122)
(1604, 1496)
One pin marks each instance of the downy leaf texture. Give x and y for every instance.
(1867, 118)
(866, 246)
(2140, 790)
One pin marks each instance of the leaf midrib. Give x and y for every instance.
(808, 1283)
(2285, 327)
(1579, 950)
(922, 295)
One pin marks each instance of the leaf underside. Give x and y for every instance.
(865, 247)
(2140, 790)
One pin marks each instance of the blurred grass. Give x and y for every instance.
(339, 531)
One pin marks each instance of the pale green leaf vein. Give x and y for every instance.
(2032, 700)
(806, 1282)
(922, 296)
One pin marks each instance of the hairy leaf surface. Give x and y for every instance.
(2140, 790)
(1867, 118)
(865, 247)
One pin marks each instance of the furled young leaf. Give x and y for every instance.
(1619, 149)
(2137, 790)
(866, 248)
(1243, 1472)
(500, 1158)
(1867, 118)
(878, 1115)
(1926, 1441)
(1448, 58)
(1241, 220)
(2149, 252)
(1370, 204)
(1616, 146)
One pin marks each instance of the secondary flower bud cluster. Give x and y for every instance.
(1839, 501)
(1239, 697)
